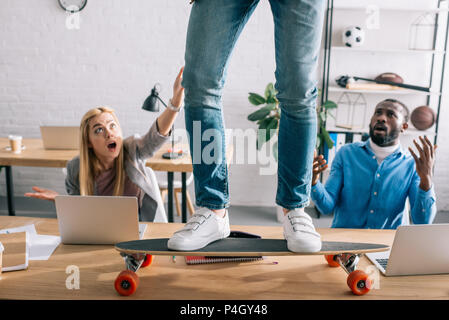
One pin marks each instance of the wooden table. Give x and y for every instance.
(36, 156)
(183, 165)
(293, 277)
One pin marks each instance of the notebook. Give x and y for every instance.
(205, 260)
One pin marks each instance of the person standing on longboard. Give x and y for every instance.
(213, 30)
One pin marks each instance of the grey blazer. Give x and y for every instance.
(137, 150)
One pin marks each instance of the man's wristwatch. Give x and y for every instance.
(172, 107)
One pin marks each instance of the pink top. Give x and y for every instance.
(105, 185)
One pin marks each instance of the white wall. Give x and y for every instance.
(52, 75)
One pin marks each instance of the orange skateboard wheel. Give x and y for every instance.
(148, 260)
(330, 260)
(126, 283)
(359, 282)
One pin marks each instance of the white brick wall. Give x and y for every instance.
(52, 75)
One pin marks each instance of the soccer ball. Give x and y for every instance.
(353, 36)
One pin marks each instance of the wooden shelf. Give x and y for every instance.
(413, 131)
(410, 131)
(386, 92)
(389, 51)
(360, 8)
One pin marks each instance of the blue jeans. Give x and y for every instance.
(213, 30)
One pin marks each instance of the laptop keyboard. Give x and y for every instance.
(382, 262)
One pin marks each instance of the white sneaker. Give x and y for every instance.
(300, 232)
(202, 228)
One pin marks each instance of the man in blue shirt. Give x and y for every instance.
(370, 181)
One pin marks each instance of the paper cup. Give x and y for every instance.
(16, 143)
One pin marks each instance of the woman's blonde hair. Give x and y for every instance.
(90, 165)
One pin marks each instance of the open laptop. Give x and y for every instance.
(417, 249)
(98, 219)
(57, 137)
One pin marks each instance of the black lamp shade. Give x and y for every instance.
(151, 103)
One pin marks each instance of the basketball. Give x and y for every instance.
(423, 117)
(389, 76)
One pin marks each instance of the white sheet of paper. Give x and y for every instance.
(43, 246)
(31, 229)
(142, 228)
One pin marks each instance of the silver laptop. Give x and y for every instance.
(98, 220)
(417, 249)
(60, 137)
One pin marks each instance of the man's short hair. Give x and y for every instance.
(405, 110)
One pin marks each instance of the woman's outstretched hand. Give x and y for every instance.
(41, 193)
(178, 90)
(167, 118)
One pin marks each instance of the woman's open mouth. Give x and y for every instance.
(112, 146)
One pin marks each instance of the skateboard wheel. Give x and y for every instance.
(330, 260)
(148, 260)
(359, 282)
(126, 283)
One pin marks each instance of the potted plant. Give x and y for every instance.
(268, 115)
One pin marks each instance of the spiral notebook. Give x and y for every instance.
(204, 260)
(234, 234)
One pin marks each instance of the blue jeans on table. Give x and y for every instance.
(213, 30)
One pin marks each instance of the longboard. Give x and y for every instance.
(139, 253)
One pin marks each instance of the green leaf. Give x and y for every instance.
(271, 128)
(275, 150)
(263, 124)
(329, 105)
(267, 130)
(319, 141)
(273, 100)
(261, 113)
(327, 138)
(271, 106)
(270, 92)
(256, 99)
(322, 115)
(260, 139)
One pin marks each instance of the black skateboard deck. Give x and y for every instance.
(245, 247)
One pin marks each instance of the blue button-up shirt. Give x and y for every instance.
(364, 194)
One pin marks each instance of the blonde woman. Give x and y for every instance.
(109, 165)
